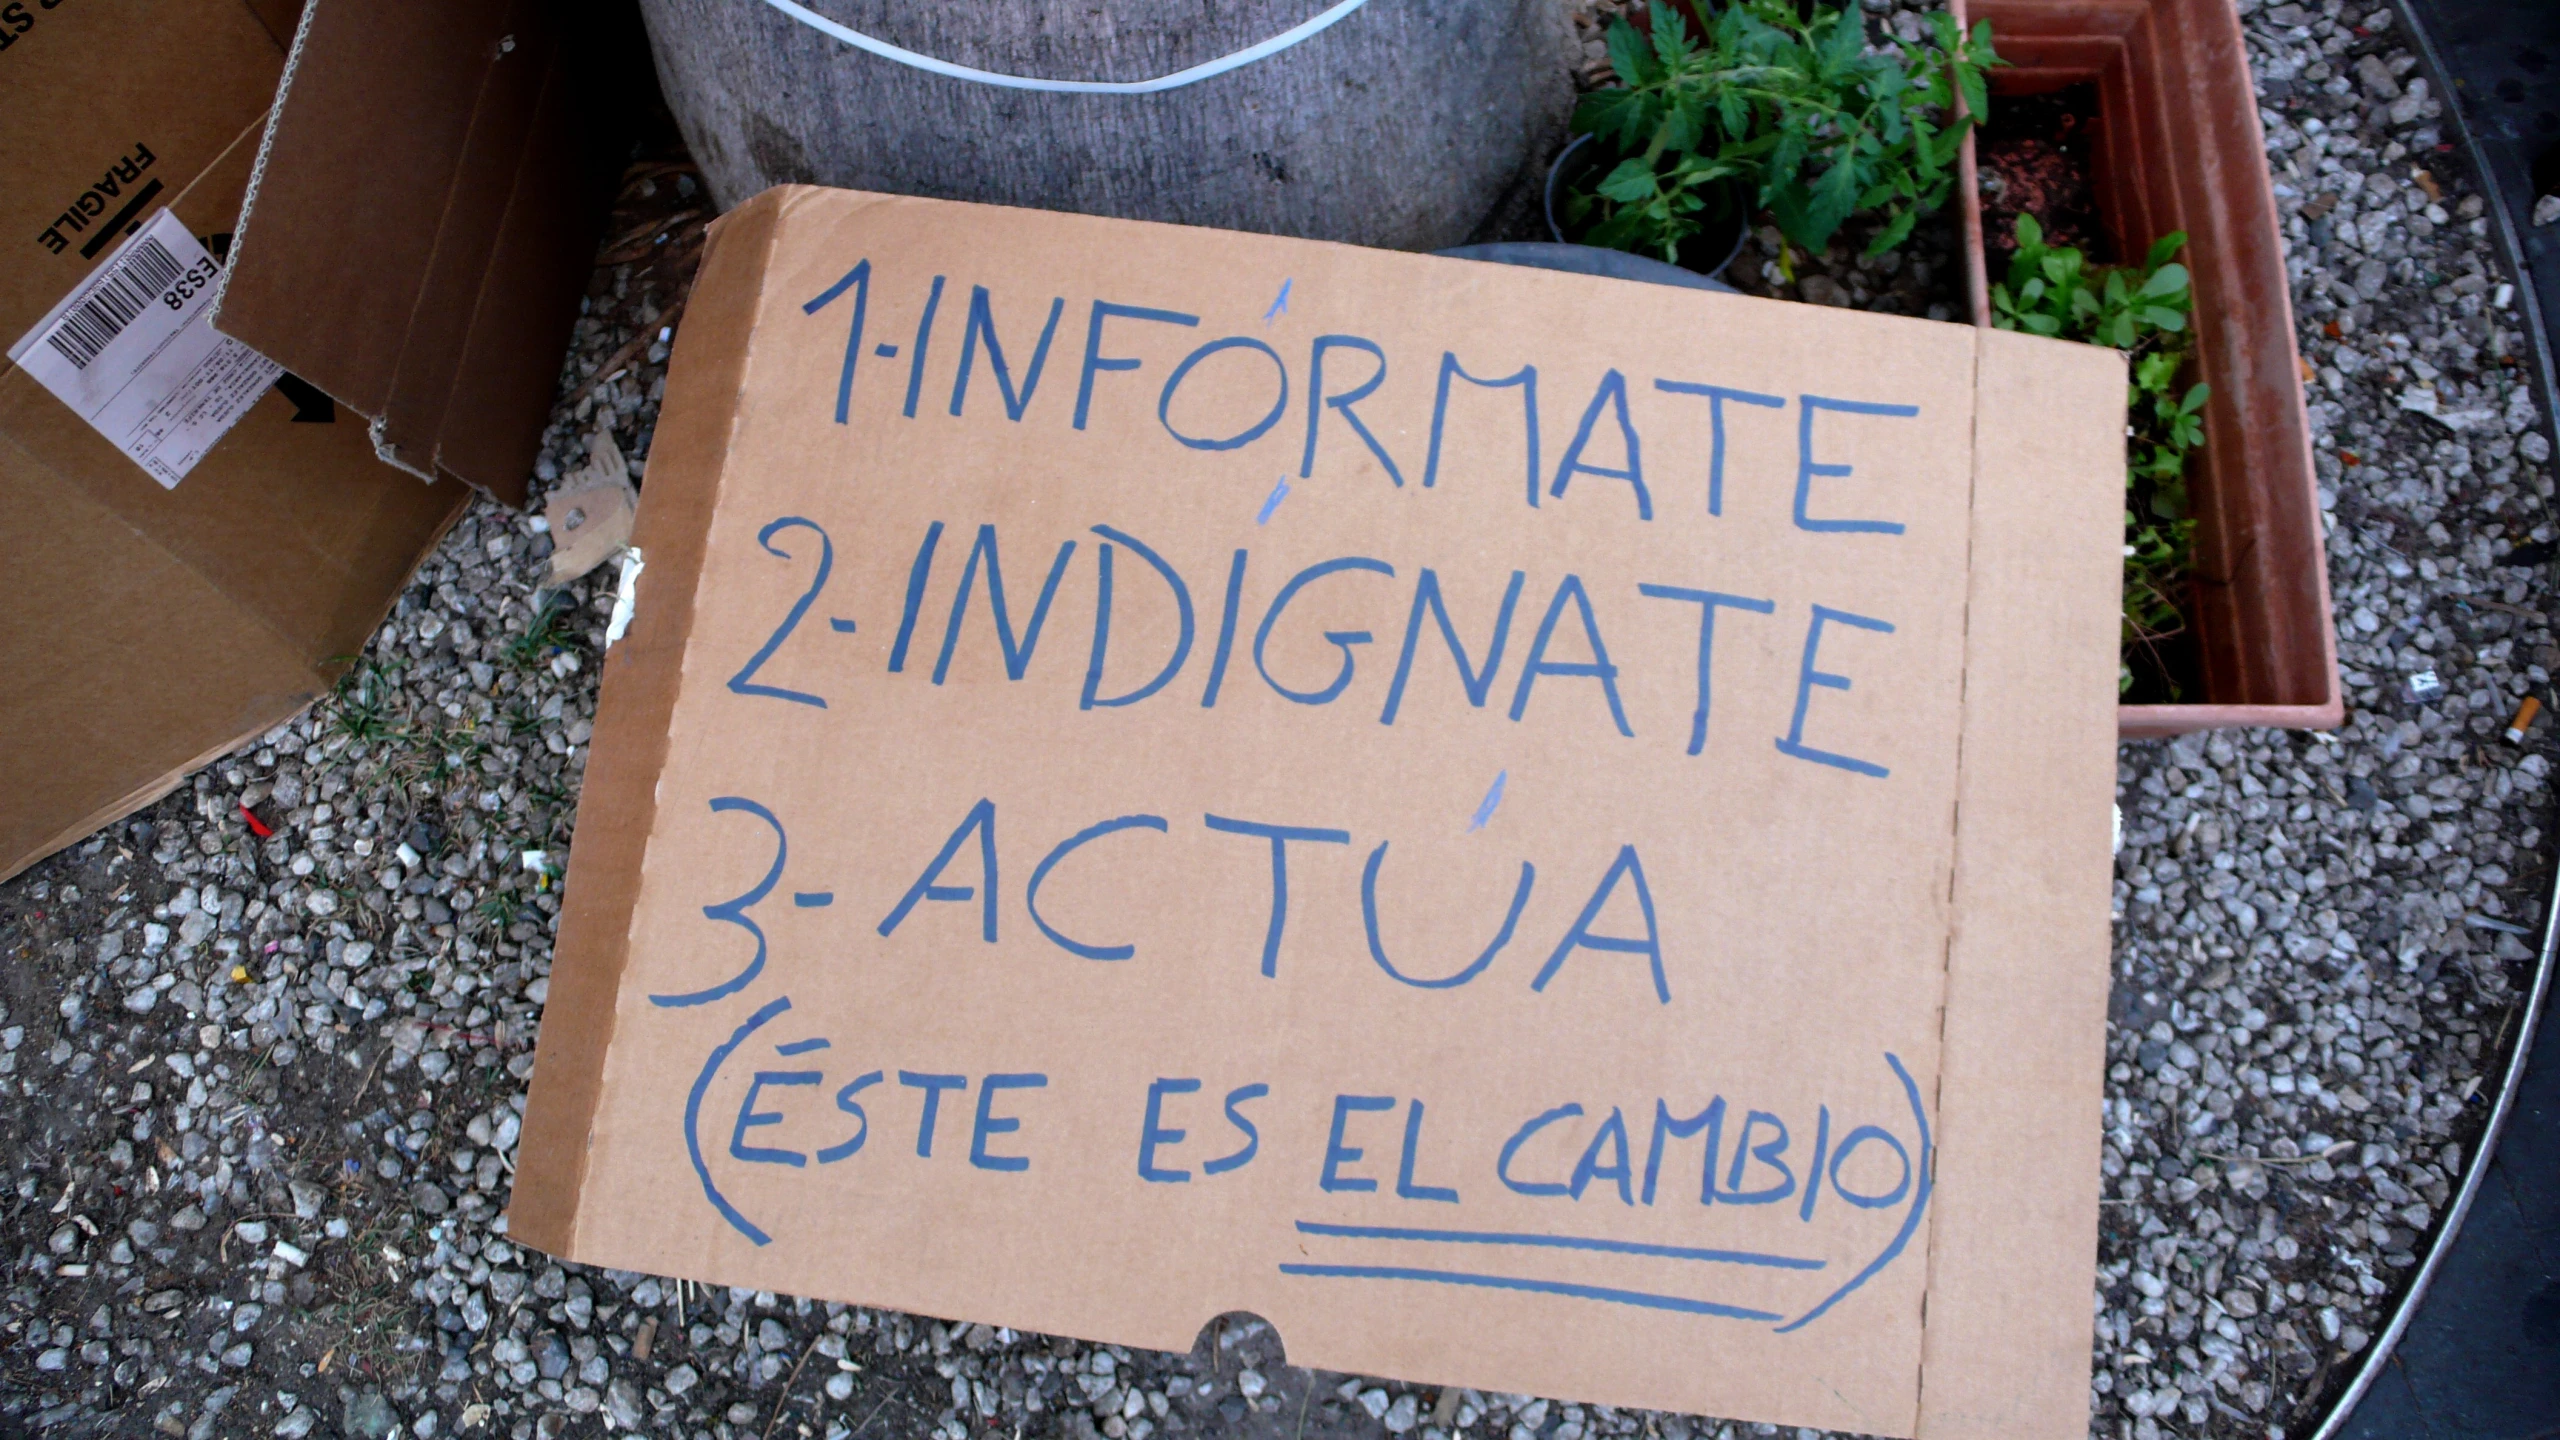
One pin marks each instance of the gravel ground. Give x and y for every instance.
(262, 1089)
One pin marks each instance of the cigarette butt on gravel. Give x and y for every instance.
(2525, 714)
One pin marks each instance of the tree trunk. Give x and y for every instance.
(1407, 123)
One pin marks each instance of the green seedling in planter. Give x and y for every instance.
(2141, 310)
(1796, 112)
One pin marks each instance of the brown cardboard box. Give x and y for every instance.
(928, 942)
(147, 629)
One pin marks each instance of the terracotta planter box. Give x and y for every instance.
(2178, 147)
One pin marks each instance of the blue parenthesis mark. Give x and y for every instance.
(693, 1117)
(735, 911)
(1910, 1221)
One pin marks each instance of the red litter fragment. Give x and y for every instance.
(257, 826)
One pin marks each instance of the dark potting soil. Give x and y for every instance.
(2034, 157)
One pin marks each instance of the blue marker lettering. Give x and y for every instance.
(1598, 668)
(702, 1085)
(1807, 469)
(1226, 631)
(734, 912)
(917, 574)
(982, 321)
(1813, 1172)
(857, 279)
(1849, 1144)
(1318, 402)
(1666, 1128)
(1580, 935)
(1095, 363)
(1520, 1137)
(1341, 640)
(1526, 377)
(1244, 437)
(1446, 1194)
(1017, 657)
(1337, 1154)
(1102, 623)
(1039, 873)
(749, 1116)
(1613, 1133)
(1478, 683)
(1153, 1133)
(990, 1124)
(846, 1103)
(1716, 396)
(981, 818)
(744, 682)
(1279, 836)
(1235, 1117)
(1378, 950)
(1792, 743)
(932, 1086)
(1612, 392)
(1706, 601)
(924, 335)
(1767, 1153)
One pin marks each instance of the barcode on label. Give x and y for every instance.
(125, 293)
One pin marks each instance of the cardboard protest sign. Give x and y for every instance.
(1536, 832)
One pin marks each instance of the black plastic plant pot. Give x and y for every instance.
(1706, 253)
(1587, 260)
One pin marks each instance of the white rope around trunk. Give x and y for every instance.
(1174, 81)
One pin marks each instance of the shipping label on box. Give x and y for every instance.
(132, 350)
(1535, 832)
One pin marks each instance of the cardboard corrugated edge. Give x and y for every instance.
(2027, 960)
(428, 384)
(635, 703)
(491, 219)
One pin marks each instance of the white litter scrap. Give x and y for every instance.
(2421, 400)
(626, 594)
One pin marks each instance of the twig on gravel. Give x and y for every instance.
(369, 1072)
(785, 1397)
(615, 363)
(875, 1411)
(2337, 1148)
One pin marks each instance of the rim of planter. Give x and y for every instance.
(1574, 158)
(2144, 722)
(1587, 260)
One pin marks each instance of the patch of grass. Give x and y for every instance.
(547, 634)
(360, 704)
(501, 909)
